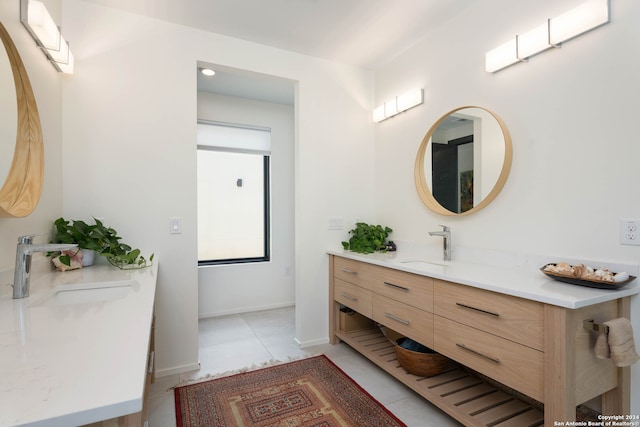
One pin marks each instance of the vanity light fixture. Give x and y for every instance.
(36, 19)
(502, 56)
(534, 41)
(579, 20)
(552, 33)
(398, 104)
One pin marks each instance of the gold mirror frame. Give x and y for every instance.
(22, 188)
(419, 170)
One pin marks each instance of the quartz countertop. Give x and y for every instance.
(68, 363)
(516, 280)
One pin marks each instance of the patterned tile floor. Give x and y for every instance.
(234, 342)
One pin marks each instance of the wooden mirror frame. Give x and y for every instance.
(419, 170)
(22, 188)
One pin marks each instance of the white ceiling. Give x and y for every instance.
(363, 33)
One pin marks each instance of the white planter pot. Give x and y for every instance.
(88, 257)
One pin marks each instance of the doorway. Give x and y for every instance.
(245, 99)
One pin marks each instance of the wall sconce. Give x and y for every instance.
(552, 33)
(398, 105)
(36, 19)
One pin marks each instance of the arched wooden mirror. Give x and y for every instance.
(463, 162)
(21, 177)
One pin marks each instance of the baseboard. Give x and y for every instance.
(177, 370)
(311, 343)
(244, 310)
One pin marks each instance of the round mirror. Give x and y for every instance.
(463, 162)
(8, 115)
(21, 147)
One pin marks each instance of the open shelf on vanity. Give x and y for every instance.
(464, 396)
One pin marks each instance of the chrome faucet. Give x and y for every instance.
(22, 273)
(446, 241)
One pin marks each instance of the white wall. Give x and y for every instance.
(571, 113)
(47, 85)
(129, 120)
(128, 124)
(238, 288)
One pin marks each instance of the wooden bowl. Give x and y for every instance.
(420, 364)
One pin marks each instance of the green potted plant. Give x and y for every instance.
(99, 238)
(368, 239)
(80, 233)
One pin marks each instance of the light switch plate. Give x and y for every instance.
(175, 225)
(335, 222)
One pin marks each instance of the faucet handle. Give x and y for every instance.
(444, 227)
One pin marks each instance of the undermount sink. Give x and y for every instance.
(426, 263)
(85, 293)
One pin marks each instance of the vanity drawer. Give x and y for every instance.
(411, 289)
(351, 271)
(352, 296)
(512, 364)
(513, 318)
(404, 319)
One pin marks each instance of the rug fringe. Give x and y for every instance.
(253, 367)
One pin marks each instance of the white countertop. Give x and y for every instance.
(71, 364)
(516, 280)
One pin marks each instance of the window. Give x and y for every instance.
(233, 194)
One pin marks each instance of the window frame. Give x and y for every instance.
(266, 167)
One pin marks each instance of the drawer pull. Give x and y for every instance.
(396, 318)
(346, 270)
(478, 309)
(402, 288)
(493, 359)
(349, 296)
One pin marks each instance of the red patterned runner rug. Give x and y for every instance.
(310, 392)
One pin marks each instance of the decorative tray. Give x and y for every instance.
(598, 284)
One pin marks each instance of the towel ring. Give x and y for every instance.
(591, 325)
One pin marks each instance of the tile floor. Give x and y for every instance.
(234, 342)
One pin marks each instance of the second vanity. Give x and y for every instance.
(517, 338)
(79, 349)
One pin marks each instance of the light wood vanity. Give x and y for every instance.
(511, 353)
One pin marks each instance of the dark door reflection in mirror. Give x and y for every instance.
(463, 161)
(452, 173)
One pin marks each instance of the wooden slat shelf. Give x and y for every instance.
(464, 396)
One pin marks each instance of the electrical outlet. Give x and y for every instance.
(629, 232)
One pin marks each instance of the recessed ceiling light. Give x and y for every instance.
(207, 72)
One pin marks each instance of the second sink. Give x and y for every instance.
(85, 293)
(426, 263)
